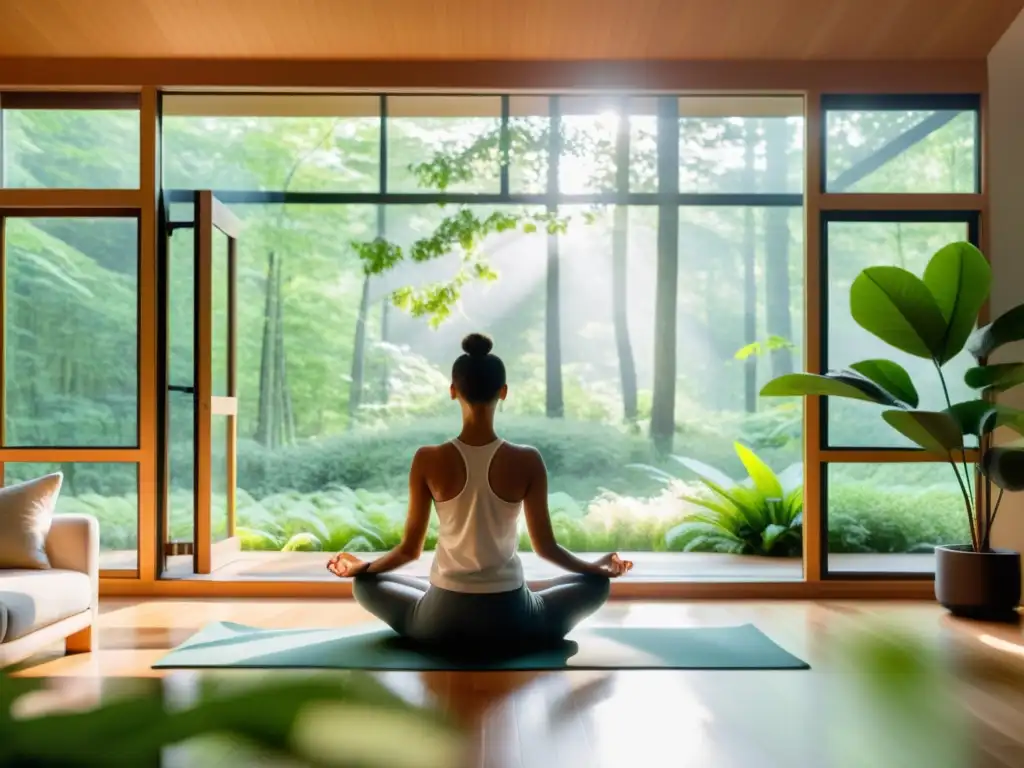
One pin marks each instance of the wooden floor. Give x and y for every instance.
(827, 717)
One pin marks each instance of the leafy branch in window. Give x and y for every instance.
(464, 231)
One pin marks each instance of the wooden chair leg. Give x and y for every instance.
(80, 642)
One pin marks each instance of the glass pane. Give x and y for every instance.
(901, 151)
(71, 149)
(181, 306)
(465, 129)
(529, 137)
(889, 517)
(181, 477)
(272, 142)
(740, 323)
(853, 246)
(219, 478)
(71, 314)
(590, 126)
(109, 492)
(220, 326)
(736, 145)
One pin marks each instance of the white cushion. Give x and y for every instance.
(26, 512)
(35, 599)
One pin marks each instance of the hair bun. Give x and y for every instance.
(477, 345)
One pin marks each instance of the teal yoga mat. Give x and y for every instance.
(225, 645)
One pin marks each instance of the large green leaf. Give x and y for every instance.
(1005, 467)
(705, 471)
(1000, 415)
(897, 307)
(997, 378)
(760, 473)
(771, 534)
(972, 416)
(844, 384)
(1006, 328)
(891, 377)
(979, 417)
(959, 277)
(935, 431)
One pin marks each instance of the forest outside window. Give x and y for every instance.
(267, 142)
(69, 141)
(338, 385)
(70, 332)
(902, 144)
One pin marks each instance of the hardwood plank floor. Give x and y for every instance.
(823, 718)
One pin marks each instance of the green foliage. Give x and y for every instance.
(758, 348)
(897, 307)
(959, 277)
(1005, 329)
(280, 718)
(935, 431)
(850, 384)
(933, 319)
(881, 516)
(891, 377)
(757, 517)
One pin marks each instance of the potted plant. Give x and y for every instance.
(934, 318)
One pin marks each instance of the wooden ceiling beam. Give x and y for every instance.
(942, 76)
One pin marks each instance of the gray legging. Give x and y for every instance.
(440, 617)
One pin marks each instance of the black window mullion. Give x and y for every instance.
(504, 145)
(383, 171)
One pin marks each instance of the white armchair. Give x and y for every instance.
(39, 608)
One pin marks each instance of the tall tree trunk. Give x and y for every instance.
(385, 393)
(777, 247)
(663, 405)
(620, 271)
(268, 376)
(749, 278)
(555, 403)
(280, 430)
(620, 313)
(355, 395)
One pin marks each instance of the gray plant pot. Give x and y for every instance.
(977, 585)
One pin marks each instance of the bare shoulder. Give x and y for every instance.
(527, 455)
(429, 455)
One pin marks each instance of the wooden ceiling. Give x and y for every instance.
(505, 29)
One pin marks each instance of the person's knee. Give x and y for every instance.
(363, 587)
(599, 587)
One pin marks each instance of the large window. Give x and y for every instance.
(886, 505)
(338, 386)
(72, 289)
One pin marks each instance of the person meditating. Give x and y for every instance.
(479, 483)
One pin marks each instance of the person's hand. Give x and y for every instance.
(345, 565)
(612, 566)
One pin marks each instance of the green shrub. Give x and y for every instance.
(762, 515)
(889, 519)
(578, 454)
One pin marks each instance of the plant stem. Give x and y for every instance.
(967, 503)
(969, 493)
(992, 520)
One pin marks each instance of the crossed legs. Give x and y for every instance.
(552, 612)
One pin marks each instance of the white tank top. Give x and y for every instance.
(478, 534)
